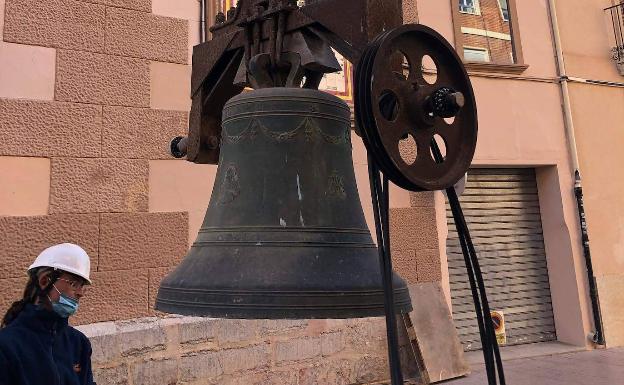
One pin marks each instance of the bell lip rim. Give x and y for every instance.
(280, 312)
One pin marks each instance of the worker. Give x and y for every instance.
(37, 345)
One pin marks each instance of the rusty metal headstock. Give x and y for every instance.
(263, 43)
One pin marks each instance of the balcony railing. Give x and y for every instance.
(617, 18)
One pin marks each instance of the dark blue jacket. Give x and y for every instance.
(40, 348)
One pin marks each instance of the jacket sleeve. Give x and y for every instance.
(86, 363)
(6, 376)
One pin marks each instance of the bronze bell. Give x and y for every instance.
(284, 235)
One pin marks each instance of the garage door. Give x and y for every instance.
(502, 211)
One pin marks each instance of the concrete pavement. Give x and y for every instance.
(595, 367)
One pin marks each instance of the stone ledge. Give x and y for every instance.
(148, 350)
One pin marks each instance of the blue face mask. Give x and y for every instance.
(66, 306)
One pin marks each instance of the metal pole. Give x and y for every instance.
(202, 21)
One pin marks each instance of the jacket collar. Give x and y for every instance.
(38, 318)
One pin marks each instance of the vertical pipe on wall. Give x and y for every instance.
(202, 21)
(598, 335)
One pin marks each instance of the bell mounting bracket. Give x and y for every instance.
(275, 43)
(268, 43)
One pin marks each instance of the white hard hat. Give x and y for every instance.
(67, 257)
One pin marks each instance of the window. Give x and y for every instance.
(469, 6)
(486, 35)
(476, 54)
(504, 8)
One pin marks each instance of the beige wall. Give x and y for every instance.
(587, 50)
(598, 114)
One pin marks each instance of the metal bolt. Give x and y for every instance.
(456, 99)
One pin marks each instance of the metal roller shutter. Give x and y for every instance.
(502, 211)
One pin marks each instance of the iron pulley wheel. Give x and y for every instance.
(402, 106)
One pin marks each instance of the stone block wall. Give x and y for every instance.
(194, 351)
(86, 122)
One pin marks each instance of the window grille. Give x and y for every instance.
(617, 18)
(504, 7)
(469, 6)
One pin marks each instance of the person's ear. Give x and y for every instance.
(44, 280)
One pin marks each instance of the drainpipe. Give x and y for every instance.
(202, 21)
(598, 335)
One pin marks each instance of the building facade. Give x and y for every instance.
(520, 203)
(91, 92)
(591, 49)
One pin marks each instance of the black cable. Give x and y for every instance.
(491, 351)
(380, 198)
(485, 341)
